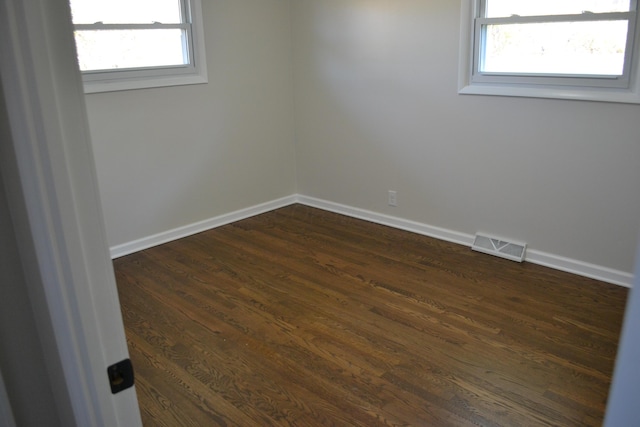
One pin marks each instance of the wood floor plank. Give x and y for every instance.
(302, 317)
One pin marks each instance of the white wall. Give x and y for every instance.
(377, 109)
(173, 156)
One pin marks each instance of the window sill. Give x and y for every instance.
(569, 93)
(143, 83)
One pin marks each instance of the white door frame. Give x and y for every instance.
(52, 191)
(6, 414)
(622, 407)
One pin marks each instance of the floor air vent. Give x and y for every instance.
(498, 247)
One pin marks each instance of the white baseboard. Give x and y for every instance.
(557, 262)
(198, 227)
(580, 268)
(391, 221)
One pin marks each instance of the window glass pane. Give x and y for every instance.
(114, 49)
(584, 48)
(503, 8)
(126, 11)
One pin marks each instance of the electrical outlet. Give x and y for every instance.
(393, 198)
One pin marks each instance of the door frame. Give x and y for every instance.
(51, 185)
(6, 414)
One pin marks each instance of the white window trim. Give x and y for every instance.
(467, 85)
(152, 77)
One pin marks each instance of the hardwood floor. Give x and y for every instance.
(301, 317)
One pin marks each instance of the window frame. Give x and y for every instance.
(195, 72)
(623, 89)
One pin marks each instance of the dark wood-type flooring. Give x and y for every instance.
(301, 317)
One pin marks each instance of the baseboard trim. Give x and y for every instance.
(546, 259)
(391, 221)
(198, 227)
(592, 271)
(556, 262)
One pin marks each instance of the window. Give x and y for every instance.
(133, 44)
(575, 49)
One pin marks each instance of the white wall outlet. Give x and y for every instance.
(393, 198)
